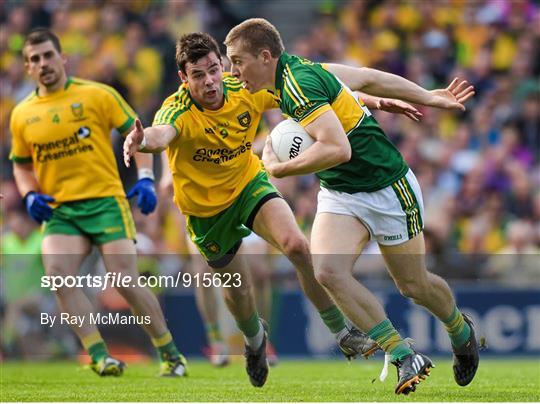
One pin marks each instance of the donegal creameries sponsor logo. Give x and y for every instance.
(62, 148)
(220, 155)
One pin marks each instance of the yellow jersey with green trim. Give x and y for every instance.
(305, 91)
(66, 136)
(211, 160)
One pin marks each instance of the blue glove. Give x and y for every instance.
(146, 191)
(36, 205)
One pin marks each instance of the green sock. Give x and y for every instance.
(213, 333)
(95, 346)
(166, 347)
(333, 319)
(458, 330)
(98, 351)
(251, 326)
(386, 336)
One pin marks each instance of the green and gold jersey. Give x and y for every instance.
(305, 91)
(66, 135)
(210, 158)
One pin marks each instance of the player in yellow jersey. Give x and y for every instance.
(208, 127)
(64, 166)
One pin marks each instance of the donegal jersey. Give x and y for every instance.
(210, 158)
(306, 90)
(66, 135)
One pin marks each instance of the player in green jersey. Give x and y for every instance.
(367, 190)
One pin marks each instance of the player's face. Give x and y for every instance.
(253, 71)
(44, 64)
(204, 78)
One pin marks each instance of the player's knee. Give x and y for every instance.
(412, 289)
(328, 276)
(295, 246)
(238, 293)
(57, 279)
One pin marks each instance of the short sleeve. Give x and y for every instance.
(121, 116)
(170, 113)
(20, 151)
(265, 100)
(305, 96)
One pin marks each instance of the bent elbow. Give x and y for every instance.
(344, 154)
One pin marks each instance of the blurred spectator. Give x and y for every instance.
(517, 262)
(21, 286)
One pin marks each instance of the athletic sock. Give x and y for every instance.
(213, 333)
(165, 347)
(334, 320)
(95, 346)
(458, 330)
(386, 336)
(253, 331)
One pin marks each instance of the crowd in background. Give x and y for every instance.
(479, 170)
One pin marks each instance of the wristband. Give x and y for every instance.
(143, 143)
(145, 173)
(25, 197)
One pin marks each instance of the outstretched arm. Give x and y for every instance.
(391, 105)
(149, 140)
(382, 84)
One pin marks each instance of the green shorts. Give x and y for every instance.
(101, 220)
(216, 236)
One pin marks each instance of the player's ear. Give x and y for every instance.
(182, 76)
(266, 55)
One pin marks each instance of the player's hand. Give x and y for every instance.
(147, 198)
(454, 96)
(133, 142)
(37, 206)
(399, 107)
(269, 158)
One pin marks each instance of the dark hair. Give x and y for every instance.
(255, 35)
(192, 47)
(40, 35)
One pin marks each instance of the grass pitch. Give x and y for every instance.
(497, 380)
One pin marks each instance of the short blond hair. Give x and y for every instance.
(257, 34)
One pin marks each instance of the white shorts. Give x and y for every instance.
(392, 215)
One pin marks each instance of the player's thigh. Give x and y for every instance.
(406, 261)
(198, 264)
(120, 256)
(276, 224)
(336, 241)
(256, 251)
(63, 254)
(237, 274)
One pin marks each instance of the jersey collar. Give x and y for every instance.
(282, 61)
(68, 83)
(199, 106)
